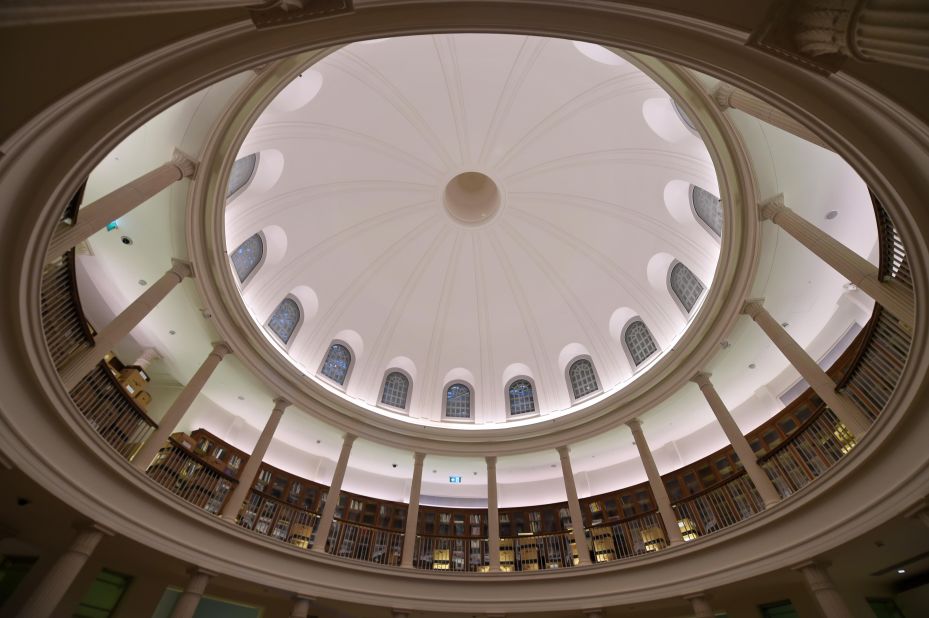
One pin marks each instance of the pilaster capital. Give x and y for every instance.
(185, 163)
(491, 462)
(723, 95)
(221, 349)
(770, 208)
(702, 379)
(418, 459)
(822, 26)
(752, 307)
(181, 268)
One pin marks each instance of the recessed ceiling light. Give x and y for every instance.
(318, 441)
(724, 345)
(241, 398)
(752, 366)
(172, 332)
(901, 571)
(433, 471)
(832, 214)
(126, 240)
(785, 324)
(143, 282)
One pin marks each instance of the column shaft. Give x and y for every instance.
(700, 605)
(247, 478)
(116, 204)
(179, 407)
(301, 607)
(493, 515)
(818, 380)
(48, 594)
(187, 603)
(412, 513)
(820, 584)
(81, 364)
(730, 97)
(574, 507)
(739, 444)
(859, 271)
(654, 480)
(332, 498)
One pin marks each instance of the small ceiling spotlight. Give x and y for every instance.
(393, 465)
(901, 571)
(126, 240)
(832, 214)
(752, 366)
(241, 398)
(143, 282)
(172, 332)
(785, 324)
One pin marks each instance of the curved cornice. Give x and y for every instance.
(733, 278)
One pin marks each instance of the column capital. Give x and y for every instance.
(418, 459)
(281, 404)
(221, 349)
(563, 451)
(303, 597)
(695, 595)
(491, 461)
(723, 95)
(593, 612)
(181, 268)
(185, 163)
(772, 207)
(702, 379)
(635, 425)
(196, 570)
(92, 526)
(753, 306)
(400, 613)
(813, 563)
(348, 439)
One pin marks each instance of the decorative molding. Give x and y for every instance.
(184, 162)
(285, 12)
(769, 209)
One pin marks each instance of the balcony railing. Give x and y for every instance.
(630, 537)
(285, 522)
(66, 329)
(538, 552)
(190, 478)
(441, 553)
(358, 542)
(893, 263)
(718, 507)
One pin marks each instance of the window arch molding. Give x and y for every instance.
(254, 269)
(445, 389)
(301, 317)
(236, 186)
(571, 382)
(627, 335)
(712, 215)
(409, 389)
(534, 394)
(327, 374)
(678, 300)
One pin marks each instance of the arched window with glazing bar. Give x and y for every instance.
(284, 319)
(639, 342)
(583, 378)
(458, 401)
(396, 389)
(337, 363)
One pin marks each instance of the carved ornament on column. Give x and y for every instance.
(184, 162)
(283, 12)
(769, 209)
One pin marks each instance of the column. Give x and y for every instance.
(97, 215)
(493, 514)
(574, 506)
(818, 380)
(301, 606)
(729, 97)
(179, 407)
(412, 512)
(81, 364)
(48, 594)
(146, 357)
(739, 444)
(700, 605)
(187, 604)
(593, 613)
(332, 498)
(889, 294)
(400, 613)
(247, 478)
(820, 584)
(654, 480)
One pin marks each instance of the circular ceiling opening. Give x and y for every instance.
(472, 198)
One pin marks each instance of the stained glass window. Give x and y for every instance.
(707, 208)
(284, 320)
(337, 362)
(458, 401)
(583, 379)
(396, 387)
(639, 342)
(522, 397)
(685, 286)
(247, 256)
(242, 171)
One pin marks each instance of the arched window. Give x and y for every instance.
(458, 401)
(338, 360)
(639, 342)
(396, 387)
(522, 397)
(283, 322)
(242, 171)
(685, 286)
(247, 256)
(582, 377)
(684, 117)
(707, 208)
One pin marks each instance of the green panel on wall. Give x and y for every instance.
(209, 607)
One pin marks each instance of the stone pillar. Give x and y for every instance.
(179, 407)
(574, 506)
(739, 444)
(818, 380)
(112, 206)
(654, 480)
(412, 513)
(400, 613)
(247, 478)
(332, 498)
(187, 603)
(889, 294)
(48, 594)
(146, 357)
(493, 514)
(729, 97)
(301, 606)
(820, 584)
(593, 613)
(81, 364)
(700, 605)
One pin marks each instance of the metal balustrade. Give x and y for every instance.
(719, 507)
(537, 552)
(190, 478)
(358, 542)
(630, 537)
(893, 263)
(66, 330)
(285, 522)
(454, 554)
(112, 413)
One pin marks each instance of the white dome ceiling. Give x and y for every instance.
(580, 157)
